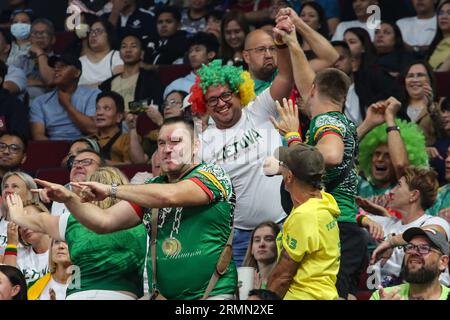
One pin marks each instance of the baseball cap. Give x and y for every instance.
(436, 238)
(305, 161)
(66, 58)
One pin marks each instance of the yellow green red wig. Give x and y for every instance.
(412, 137)
(215, 74)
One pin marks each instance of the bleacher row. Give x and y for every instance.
(44, 162)
(44, 157)
(168, 73)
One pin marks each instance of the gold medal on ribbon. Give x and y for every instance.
(171, 247)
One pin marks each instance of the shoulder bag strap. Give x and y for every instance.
(155, 291)
(221, 266)
(111, 62)
(106, 149)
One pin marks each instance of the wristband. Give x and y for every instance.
(293, 137)
(42, 54)
(359, 218)
(393, 128)
(11, 250)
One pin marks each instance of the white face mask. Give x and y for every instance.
(82, 30)
(21, 31)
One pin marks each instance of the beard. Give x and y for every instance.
(266, 72)
(421, 276)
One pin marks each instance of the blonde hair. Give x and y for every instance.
(29, 182)
(108, 175)
(35, 201)
(51, 263)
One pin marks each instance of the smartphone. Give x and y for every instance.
(137, 106)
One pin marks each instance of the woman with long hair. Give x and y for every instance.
(234, 29)
(54, 284)
(361, 47)
(12, 284)
(439, 51)
(26, 249)
(419, 104)
(262, 252)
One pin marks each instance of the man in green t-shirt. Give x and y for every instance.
(426, 257)
(335, 137)
(196, 204)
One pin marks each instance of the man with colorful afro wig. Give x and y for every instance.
(242, 136)
(386, 150)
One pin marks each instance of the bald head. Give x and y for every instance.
(260, 55)
(255, 37)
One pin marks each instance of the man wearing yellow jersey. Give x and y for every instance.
(309, 246)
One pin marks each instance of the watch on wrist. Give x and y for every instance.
(392, 128)
(113, 194)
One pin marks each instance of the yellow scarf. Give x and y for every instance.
(35, 291)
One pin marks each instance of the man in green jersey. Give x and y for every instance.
(196, 203)
(426, 256)
(336, 139)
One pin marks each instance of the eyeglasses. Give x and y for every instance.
(423, 249)
(416, 75)
(39, 34)
(84, 162)
(225, 97)
(29, 11)
(262, 50)
(96, 32)
(13, 148)
(172, 103)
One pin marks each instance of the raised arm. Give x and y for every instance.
(303, 74)
(326, 54)
(118, 217)
(185, 193)
(282, 84)
(31, 218)
(396, 146)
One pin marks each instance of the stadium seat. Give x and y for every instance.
(144, 125)
(131, 169)
(442, 84)
(45, 154)
(57, 175)
(63, 40)
(169, 73)
(363, 295)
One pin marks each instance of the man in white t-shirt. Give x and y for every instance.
(362, 16)
(415, 192)
(242, 137)
(419, 31)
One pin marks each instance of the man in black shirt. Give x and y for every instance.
(128, 18)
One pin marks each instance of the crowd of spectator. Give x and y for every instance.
(308, 140)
